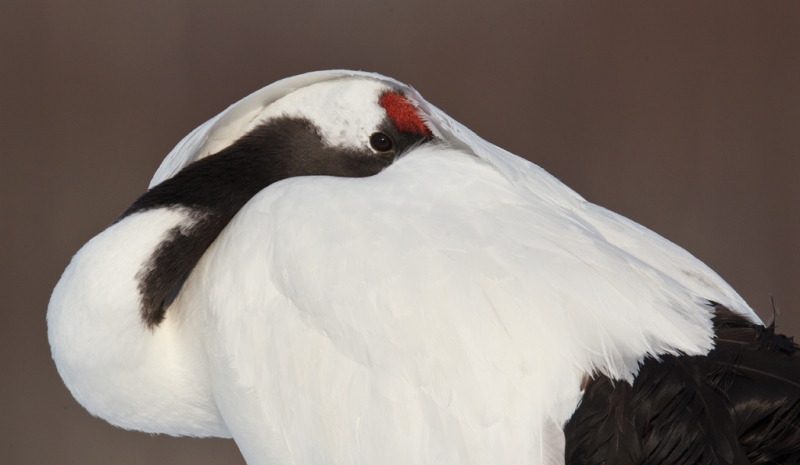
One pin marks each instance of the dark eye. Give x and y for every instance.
(380, 142)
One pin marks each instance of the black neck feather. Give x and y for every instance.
(213, 189)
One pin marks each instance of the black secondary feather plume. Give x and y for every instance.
(740, 404)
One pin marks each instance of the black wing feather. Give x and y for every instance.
(739, 404)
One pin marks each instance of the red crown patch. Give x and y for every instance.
(403, 114)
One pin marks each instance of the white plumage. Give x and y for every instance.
(443, 311)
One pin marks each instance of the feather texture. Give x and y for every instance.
(444, 310)
(740, 404)
(398, 313)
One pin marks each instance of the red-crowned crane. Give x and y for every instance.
(333, 271)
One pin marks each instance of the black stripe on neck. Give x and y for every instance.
(215, 188)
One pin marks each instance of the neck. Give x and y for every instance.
(121, 354)
(125, 343)
(208, 193)
(118, 369)
(212, 190)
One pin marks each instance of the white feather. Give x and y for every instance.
(113, 365)
(394, 319)
(442, 311)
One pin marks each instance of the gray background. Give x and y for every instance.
(683, 115)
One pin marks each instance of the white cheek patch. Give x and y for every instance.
(346, 111)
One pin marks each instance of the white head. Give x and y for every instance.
(347, 111)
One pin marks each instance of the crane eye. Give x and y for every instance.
(380, 142)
